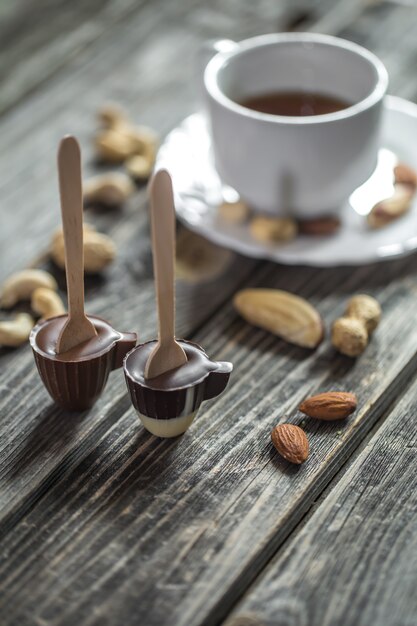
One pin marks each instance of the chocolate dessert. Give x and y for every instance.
(76, 378)
(167, 404)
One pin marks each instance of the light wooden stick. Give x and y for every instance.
(167, 354)
(78, 327)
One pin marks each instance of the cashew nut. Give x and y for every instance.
(139, 167)
(16, 331)
(111, 115)
(110, 190)
(120, 139)
(114, 145)
(145, 141)
(99, 250)
(273, 229)
(21, 285)
(47, 303)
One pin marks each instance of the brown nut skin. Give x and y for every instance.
(366, 309)
(319, 227)
(349, 336)
(291, 442)
(329, 406)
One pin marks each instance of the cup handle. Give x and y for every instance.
(126, 343)
(217, 380)
(207, 51)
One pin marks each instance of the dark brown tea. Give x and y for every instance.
(295, 103)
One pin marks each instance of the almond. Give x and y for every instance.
(405, 175)
(291, 442)
(288, 316)
(333, 405)
(320, 226)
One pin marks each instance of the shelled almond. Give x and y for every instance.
(282, 313)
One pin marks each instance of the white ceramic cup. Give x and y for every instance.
(305, 166)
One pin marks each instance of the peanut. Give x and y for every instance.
(46, 303)
(21, 285)
(99, 250)
(16, 331)
(349, 336)
(366, 309)
(110, 190)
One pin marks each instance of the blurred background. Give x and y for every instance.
(60, 61)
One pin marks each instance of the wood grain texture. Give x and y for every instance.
(101, 523)
(352, 563)
(138, 530)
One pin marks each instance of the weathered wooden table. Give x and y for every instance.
(102, 524)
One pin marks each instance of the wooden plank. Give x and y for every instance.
(352, 563)
(138, 530)
(38, 39)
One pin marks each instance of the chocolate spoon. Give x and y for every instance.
(78, 327)
(167, 354)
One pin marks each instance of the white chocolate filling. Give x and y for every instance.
(167, 428)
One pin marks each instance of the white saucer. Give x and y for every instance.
(187, 154)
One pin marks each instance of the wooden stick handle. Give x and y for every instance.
(163, 245)
(70, 187)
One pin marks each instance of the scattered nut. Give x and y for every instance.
(118, 140)
(114, 146)
(111, 115)
(46, 303)
(16, 331)
(349, 336)
(273, 229)
(290, 317)
(110, 190)
(320, 226)
(329, 406)
(145, 141)
(21, 285)
(405, 175)
(390, 209)
(234, 212)
(99, 250)
(291, 442)
(139, 167)
(366, 309)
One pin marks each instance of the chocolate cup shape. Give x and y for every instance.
(169, 411)
(75, 379)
